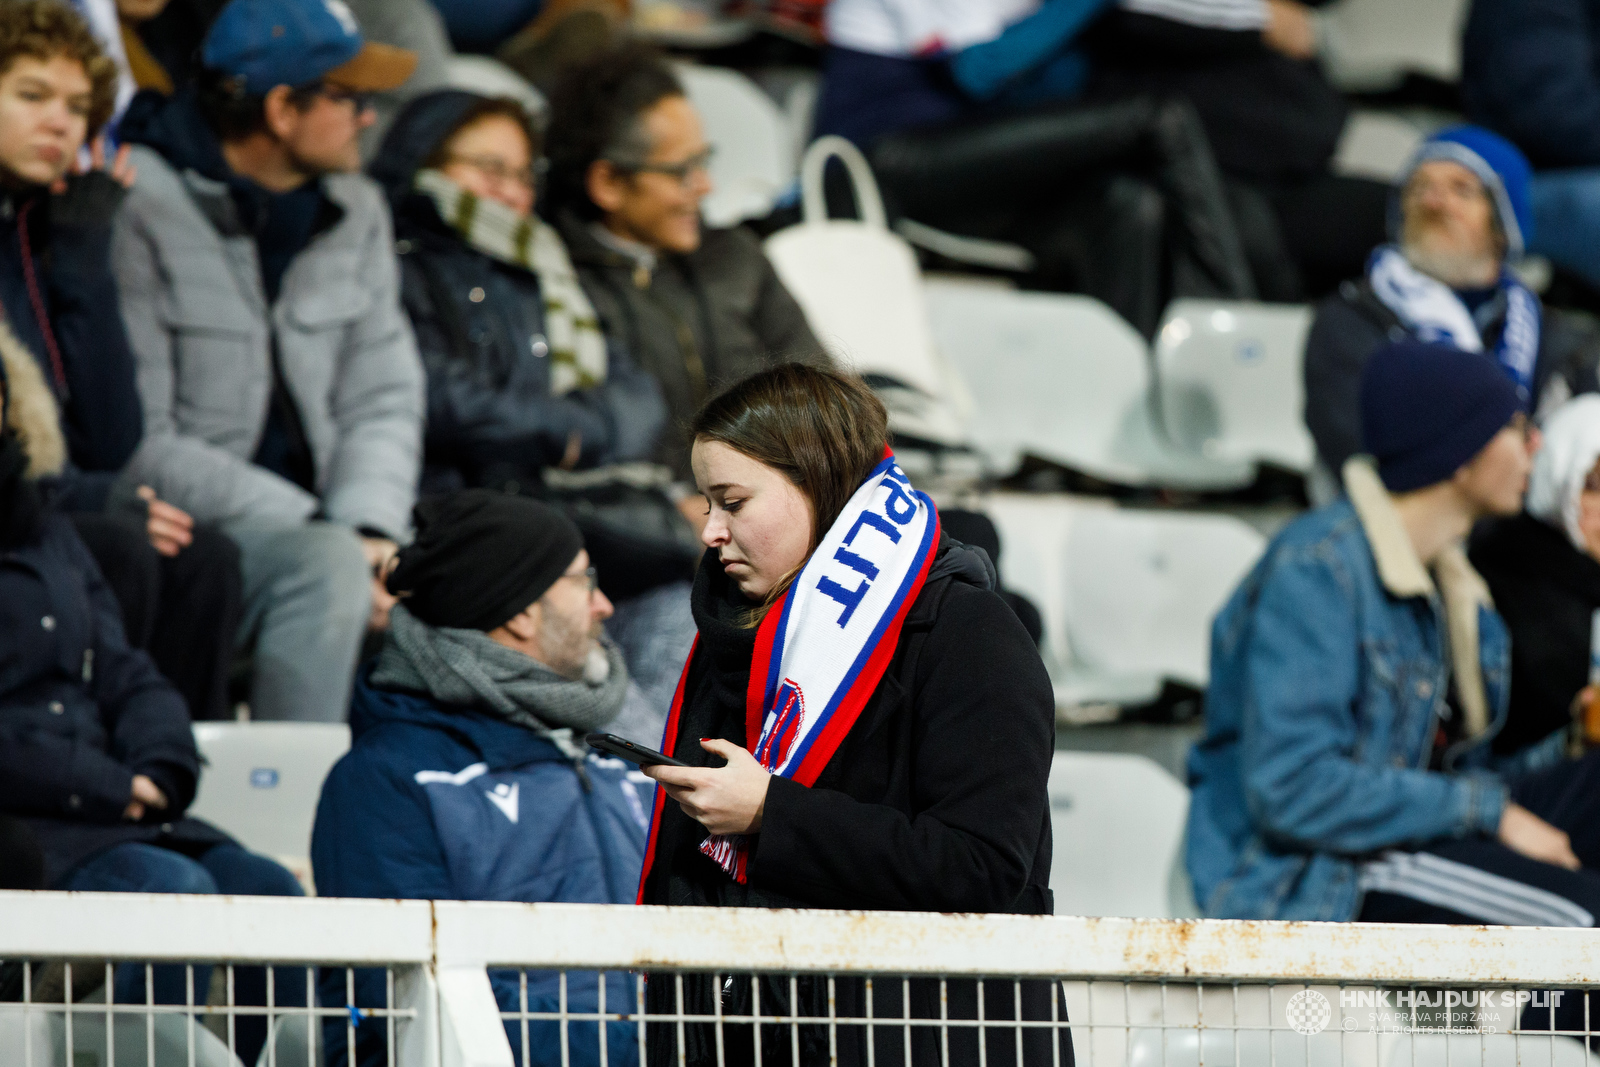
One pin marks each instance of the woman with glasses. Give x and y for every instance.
(1543, 569)
(699, 307)
(520, 378)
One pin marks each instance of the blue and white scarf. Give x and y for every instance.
(1431, 310)
(825, 644)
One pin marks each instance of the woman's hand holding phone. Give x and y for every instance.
(725, 800)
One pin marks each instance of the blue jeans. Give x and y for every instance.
(1566, 219)
(141, 868)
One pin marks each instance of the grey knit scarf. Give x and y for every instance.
(458, 666)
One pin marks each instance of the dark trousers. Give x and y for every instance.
(1123, 201)
(184, 610)
(141, 868)
(1477, 880)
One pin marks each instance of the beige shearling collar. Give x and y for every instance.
(1461, 590)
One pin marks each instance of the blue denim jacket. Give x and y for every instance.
(1330, 666)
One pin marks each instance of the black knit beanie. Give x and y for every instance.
(481, 557)
(1427, 408)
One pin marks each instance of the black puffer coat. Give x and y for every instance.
(81, 712)
(480, 328)
(935, 801)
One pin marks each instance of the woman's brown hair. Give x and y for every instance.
(44, 29)
(824, 430)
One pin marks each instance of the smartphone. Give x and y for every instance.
(612, 745)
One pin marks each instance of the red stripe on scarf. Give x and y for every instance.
(669, 743)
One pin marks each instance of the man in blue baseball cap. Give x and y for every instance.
(281, 385)
(1458, 219)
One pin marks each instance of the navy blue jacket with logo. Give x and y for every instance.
(450, 803)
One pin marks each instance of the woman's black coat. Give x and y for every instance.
(1548, 592)
(81, 712)
(935, 801)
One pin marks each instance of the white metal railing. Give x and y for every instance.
(1137, 992)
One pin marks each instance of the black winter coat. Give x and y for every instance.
(1547, 591)
(935, 801)
(489, 399)
(698, 323)
(81, 712)
(480, 328)
(1350, 325)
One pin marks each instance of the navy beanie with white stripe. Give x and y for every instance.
(1428, 408)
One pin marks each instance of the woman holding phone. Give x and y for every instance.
(867, 725)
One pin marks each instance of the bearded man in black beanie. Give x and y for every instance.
(467, 777)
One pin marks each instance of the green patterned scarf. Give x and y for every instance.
(577, 347)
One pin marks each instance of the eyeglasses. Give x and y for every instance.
(589, 575)
(680, 172)
(498, 169)
(338, 94)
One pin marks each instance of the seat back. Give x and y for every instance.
(754, 161)
(1143, 586)
(861, 289)
(1058, 376)
(1229, 384)
(1100, 802)
(262, 780)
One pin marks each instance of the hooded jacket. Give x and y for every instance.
(697, 322)
(453, 803)
(81, 712)
(1331, 666)
(480, 324)
(190, 278)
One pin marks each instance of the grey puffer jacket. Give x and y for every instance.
(203, 333)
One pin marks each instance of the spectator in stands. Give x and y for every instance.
(970, 114)
(697, 307)
(922, 786)
(1458, 220)
(281, 386)
(520, 376)
(1358, 677)
(1272, 118)
(468, 778)
(97, 759)
(1528, 71)
(1543, 569)
(178, 585)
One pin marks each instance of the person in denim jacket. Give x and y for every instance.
(1359, 673)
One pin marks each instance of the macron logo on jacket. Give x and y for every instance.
(503, 796)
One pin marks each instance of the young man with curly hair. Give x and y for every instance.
(178, 586)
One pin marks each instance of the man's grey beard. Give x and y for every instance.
(1458, 270)
(598, 666)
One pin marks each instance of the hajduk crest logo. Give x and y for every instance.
(1309, 1012)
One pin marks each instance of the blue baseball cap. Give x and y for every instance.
(267, 43)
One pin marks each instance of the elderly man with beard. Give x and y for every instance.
(467, 777)
(1460, 218)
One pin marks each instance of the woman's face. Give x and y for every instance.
(1589, 512)
(759, 521)
(492, 159)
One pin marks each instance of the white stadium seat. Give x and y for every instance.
(1143, 586)
(1228, 381)
(1370, 45)
(1064, 378)
(261, 782)
(754, 161)
(1099, 802)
